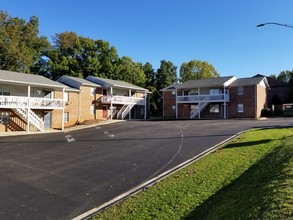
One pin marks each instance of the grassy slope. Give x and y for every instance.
(250, 178)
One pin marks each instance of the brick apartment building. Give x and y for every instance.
(223, 97)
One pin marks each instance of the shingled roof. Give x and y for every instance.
(249, 81)
(76, 82)
(201, 83)
(28, 79)
(107, 83)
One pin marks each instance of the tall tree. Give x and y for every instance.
(20, 46)
(150, 84)
(166, 74)
(197, 69)
(129, 71)
(285, 76)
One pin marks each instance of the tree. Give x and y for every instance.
(20, 46)
(166, 76)
(196, 69)
(150, 84)
(129, 71)
(285, 76)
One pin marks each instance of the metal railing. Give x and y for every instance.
(204, 98)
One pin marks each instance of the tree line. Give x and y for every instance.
(23, 50)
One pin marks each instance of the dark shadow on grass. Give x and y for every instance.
(248, 143)
(252, 195)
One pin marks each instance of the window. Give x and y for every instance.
(214, 92)
(240, 108)
(240, 90)
(173, 92)
(92, 109)
(66, 116)
(173, 107)
(92, 91)
(4, 90)
(214, 108)
(66, 96)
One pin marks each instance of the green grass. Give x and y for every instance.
(251, 177)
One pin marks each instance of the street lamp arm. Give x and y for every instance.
(274, 23)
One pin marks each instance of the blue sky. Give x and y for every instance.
(222, 33)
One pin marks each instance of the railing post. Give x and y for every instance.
(28, 108)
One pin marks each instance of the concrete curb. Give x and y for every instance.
(89, 214)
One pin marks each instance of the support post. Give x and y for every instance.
(129, 113)
(63, 106)
(28, 108)
(145, 105)
(176, 102)
(111, 103)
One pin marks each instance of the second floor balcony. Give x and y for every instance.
(122, 100)
(30, 102)
(203, 98)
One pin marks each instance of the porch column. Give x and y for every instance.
(145, 105)
(176, 102)
(198, 103)
(111, 103)
(225, 110)
(28, 108)
(63, 106)
(129, 114)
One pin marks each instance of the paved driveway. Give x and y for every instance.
(62, 175)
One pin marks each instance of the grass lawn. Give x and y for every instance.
(250, 177)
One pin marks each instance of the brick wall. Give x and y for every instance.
(169, 101)
(247, 99)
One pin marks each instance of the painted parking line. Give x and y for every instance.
(69, 138)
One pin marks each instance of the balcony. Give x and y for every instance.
(203, 98)
(32, 103)
(122, 100)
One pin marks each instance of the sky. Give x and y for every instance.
(223, 33)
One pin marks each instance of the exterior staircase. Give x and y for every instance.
(30, 116)
(124, 111)
(197, 110)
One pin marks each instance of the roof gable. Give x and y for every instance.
(250, 82)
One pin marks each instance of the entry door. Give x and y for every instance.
(48, 120)
(105, 110)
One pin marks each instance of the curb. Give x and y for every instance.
(89, 214)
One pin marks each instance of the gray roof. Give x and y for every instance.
(107, 83)
(28, 79)
(249, 81)
(169, 88)
(75, 82)
(201, 83)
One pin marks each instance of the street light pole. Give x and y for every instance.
(274, 23)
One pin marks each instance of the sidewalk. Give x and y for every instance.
(73, 128)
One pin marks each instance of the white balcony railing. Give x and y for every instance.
(32, 103)
(122, 100)
(204, 98)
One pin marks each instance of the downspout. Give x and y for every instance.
(28, 108)
(111, 103)
(63, 106)
(79, 106)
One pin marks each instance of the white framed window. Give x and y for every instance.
(66, 96)
(92, 109)
(173, 92)
(66, 116)
(240, 108)
(240, 90)
(214, 108)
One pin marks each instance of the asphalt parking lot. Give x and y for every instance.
(62, 175)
